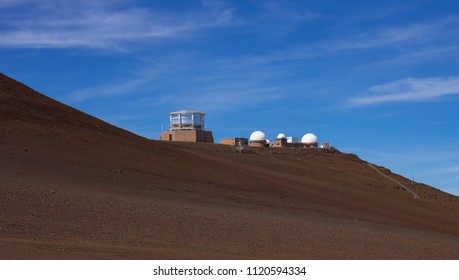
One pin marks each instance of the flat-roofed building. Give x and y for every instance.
(187, 126)
(235, 141)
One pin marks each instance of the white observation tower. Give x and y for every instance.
(187, 126)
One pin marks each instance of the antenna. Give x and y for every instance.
(239, 147)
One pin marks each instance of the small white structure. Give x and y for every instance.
(325, 146)
(258, 139)
(292, 139)
(310, 140)
(280, 136)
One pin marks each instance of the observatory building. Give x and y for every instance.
(258, 139)
(281, 141)
(240, 141)
(187, 126)
(309, 140)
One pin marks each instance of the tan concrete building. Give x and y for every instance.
(258, 140)
(284, 143)
(187, 126)
(235, 141)
(188, 136)
(280, 143)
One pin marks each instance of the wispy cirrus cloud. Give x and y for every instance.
(409, 89)
(9, 3)
(419, 42)
(70, 24)
(227, 99)
(381, 37)
(286, 11)
(131, 82)
(113, 89)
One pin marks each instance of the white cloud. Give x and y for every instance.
(226, 99)
(10, 3)
(137, 81)
(421, 41)
(65, 24)
(287, 12)
(414, 57)
(119, 88)
(411, 34)
(387, 36)
(216, 83)
(409, 89)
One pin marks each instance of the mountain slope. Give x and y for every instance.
(73, 186)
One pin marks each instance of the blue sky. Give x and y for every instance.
(378, 78)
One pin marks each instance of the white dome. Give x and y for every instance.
(309, 138)
(257, 136)
(280, 136)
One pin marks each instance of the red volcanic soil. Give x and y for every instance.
(75, 187)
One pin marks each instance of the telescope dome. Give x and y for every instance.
(309, 138)
(258, 136)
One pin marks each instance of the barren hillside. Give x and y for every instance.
(73, 186)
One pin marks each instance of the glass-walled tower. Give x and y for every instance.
(187, 120)
(187, 126)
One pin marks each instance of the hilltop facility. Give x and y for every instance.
(259, 139)
(187, 126)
